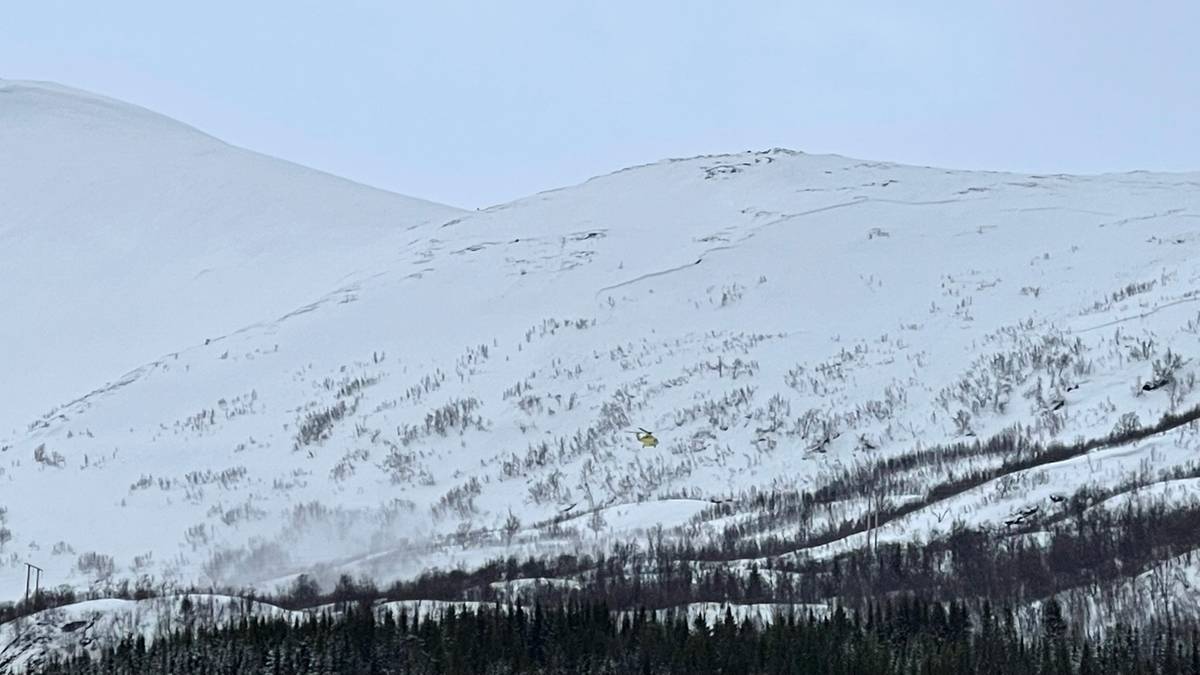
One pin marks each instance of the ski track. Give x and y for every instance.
(1138, 317)
(745, 237)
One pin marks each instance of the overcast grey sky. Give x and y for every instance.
(474, 103)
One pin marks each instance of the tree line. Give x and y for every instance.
(904, 635)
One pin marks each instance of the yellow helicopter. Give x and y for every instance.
(647, 439)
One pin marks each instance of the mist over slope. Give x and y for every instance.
(125, 235)
(781, 321)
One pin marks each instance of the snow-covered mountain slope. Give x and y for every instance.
(773, 317)
(125, 235)
(89, 626)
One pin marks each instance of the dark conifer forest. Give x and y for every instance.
(903, 635)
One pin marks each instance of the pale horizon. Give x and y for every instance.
(477, 105)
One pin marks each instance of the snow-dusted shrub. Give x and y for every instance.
(731, 294)
(456, 414)
(196, 536)
(512, 525)
(1120, 295)
(1142, 349)
(427, 385)
(1127, 424)
(1165, 368)
(459, 500)
(346, 467)
(550, 489)
(989, 382)
(97, 565)
(242, 512)
(54, 459)
(400, 465)
(962, 423)
(317, 425)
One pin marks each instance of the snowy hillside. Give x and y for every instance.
(776, 319)
(87, 626)
(125, 235)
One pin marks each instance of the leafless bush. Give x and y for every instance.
(512, 525)
(962, 423)
(530, 403)
(722, 413)
(345, 466)
(317, 425)
(456, 414)
(596, 522)
(1166, 367)
(242, 512)
(988, 383)
(196, 536)
(54, 459)
(427, 385)
(459, 500)
(551, 326)
(1142, 349)
(97, 565)
(309, 513)
(226, 478)
(238, 406)
(731, 294)
(516, 390)
(1127, 424)
(1006, 484)
(552, 488)
(1122, 294)
(350, 387)
(5, 533)
(778, 410)
(733, 369)
(200, 422)
(399, 464)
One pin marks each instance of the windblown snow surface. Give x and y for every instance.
(125, 235)
(386, 380)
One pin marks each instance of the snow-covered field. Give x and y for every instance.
(290, 373)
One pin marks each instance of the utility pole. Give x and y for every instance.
(29, 568)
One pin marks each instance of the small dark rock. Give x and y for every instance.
(1151, 386)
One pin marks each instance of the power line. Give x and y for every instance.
(29, 568)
